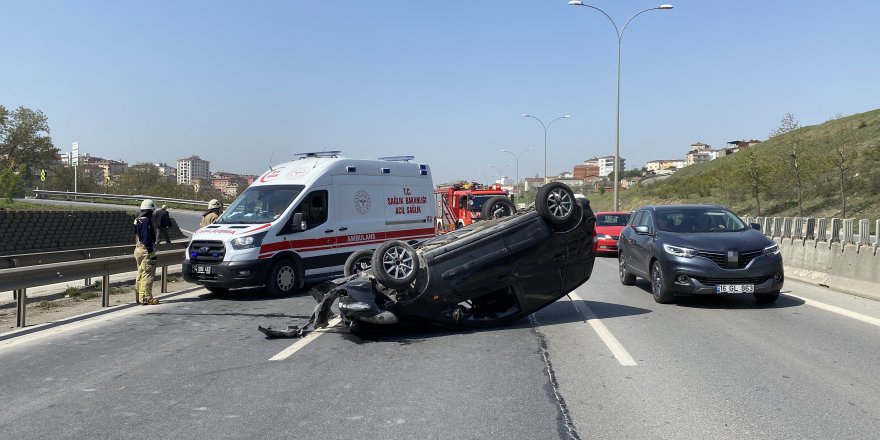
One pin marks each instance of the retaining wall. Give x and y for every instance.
(840, 253)
(24, 232)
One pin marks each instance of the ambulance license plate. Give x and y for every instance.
(201, 268)
(735, 288)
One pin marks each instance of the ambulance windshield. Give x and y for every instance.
(260, 204)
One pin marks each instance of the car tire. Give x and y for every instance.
(661, 293)
(217, 290)
(283, 278)
(555, 202)
(497, 207)
(767, 298)
(395, 264)
(357, 262)
(626, 278)
(459, 225)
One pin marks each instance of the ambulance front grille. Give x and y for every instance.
(206, 251)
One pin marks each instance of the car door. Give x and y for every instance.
(627, 240)
(316, 243)
(641, 244)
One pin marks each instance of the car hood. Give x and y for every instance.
(747, 240)
(608, 230)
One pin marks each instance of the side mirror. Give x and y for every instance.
(642, 230)
(297, 223)
(755, 226)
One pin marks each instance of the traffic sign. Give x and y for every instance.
(43, 175)
(74, 154)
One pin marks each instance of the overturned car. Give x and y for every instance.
(490, 273)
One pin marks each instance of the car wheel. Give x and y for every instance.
(395, 264)
(497, 207)
(357, 262)
(555, 203)
(626, 278)
(661, 293)
(459, 225)
(767, 298)
(217, 290)
(283, 278)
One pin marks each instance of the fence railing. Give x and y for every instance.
(44, 193)
(19, 279)
(820, 229)
(33, 259)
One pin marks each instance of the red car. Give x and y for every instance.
(608, 227)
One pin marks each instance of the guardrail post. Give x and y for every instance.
(105, 291)
(864, 231)
(20, 307)
(835, 230)
(164, 288)
(811, 229)
(848, 235)
(786, 228)
(877, 232)
(822, 229)
(798, 232)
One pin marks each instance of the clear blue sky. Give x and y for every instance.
(447, 81)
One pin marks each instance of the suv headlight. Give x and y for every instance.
(679, 251)
(773, 249)
(250, 241)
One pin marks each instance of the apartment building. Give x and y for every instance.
(191, 168)
(605, 164)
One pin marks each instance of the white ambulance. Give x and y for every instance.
(300, 221)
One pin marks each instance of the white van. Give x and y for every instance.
(300, 221)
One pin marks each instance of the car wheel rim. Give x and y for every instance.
(658, 280)
(621, 267)
(285, 278)
(397, 262)
(559, 203)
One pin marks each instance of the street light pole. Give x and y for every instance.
(617, 123)
(497, 168)
(516, 156)
(546, 127)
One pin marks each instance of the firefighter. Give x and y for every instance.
(212, 213)
(145, 253)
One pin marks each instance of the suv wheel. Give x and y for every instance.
(357, 262)
(626, 278)
(555, 203)
(395, 264)
(661, 293)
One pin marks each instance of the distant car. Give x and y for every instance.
(608, 227)
(698, 249)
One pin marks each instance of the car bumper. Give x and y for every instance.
(604, 246)
(700, 276)
(228, 274)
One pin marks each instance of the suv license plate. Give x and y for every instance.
(735, 288)
(201, 268)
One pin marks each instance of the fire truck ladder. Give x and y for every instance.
(449, 219)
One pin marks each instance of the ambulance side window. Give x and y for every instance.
(314, 208)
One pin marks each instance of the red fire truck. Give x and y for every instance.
(462, 203)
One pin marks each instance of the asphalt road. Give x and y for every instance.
(610, 363)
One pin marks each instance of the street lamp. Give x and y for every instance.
(617, 129)
(546, 127)
(497, 168)
(516, 156)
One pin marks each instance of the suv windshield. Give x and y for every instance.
(260, 204)
(476, 203)
(612, 219)
(698, 220)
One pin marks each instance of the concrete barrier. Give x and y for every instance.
(850, 268)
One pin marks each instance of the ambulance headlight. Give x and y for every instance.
(247, 242)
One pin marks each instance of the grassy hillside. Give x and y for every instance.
(839, 156)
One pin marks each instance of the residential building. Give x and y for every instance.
(584, 171)
(665, 164)
(166, 170)
(191, 168)
(530, 183)
(605, 164)
(742, 145)
(109, 168)
(699, 153)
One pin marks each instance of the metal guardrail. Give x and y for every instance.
(41, 192)
(33, 259)
(19, 279)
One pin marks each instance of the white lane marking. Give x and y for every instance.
(840, 311)
(289, 351)
(610, 341)
(77, 325)
(188, 232)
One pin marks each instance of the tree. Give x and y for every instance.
(792, 148)
(10, 183)
(25, 141)
(753, 170)
(843, 152)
